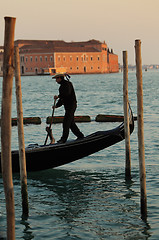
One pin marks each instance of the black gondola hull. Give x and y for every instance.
(51, 156)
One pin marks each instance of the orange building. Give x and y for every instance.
(49, 57)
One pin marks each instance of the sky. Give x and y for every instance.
(117, 22)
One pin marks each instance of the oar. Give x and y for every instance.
(48, 129)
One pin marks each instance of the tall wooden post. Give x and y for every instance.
(126, 117)
(6, 160)
(140, 121)
(22, 159)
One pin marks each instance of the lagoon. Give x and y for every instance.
(89, 198)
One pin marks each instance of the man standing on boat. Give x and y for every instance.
(67, 97)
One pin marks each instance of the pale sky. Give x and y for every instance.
(118, 22)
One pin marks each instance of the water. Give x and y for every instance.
(89, 198)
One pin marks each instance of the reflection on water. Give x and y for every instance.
(88, 199)
(28, 234)
(82, 205)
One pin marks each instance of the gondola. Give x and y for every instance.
(42, 157)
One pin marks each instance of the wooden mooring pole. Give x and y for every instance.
(22, 159)
(126, 117)
(6, 160)
(140, 121)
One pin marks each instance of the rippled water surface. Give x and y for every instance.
(89, 198)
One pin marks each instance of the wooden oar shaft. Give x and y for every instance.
(53, 113)
(51, 121)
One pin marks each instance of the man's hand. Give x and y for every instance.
(54, 106)
(56, 97)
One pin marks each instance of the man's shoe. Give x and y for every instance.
(80, 138)
(61, 141)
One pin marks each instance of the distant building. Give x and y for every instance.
(50, 57)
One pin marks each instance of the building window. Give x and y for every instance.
(77, 59)
(70, 58)
(91, 58)
(45, 58)
(41, 59)
(77, 68)
(108, 57)
(98, 58)
(91, 67)
(59, 59)
(31, 58)
(26, 59)
(70, 68)
(51, 58)
(36, 70)
(36, 59)
(84, 58)
(22, 59)
(64, 58)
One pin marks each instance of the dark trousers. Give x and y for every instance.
(69, 123)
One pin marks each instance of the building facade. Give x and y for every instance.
(50, 57)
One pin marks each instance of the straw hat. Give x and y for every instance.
(61, 75)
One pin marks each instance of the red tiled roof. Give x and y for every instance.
(57, 42)
(76, 49)
(47, 46)
(28, 49)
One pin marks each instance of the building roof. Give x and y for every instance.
(58, 43)
(44, 49)
(58, 46)
(52, 46)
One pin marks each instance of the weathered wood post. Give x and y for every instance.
(22, 159)
(6, 159)
(140, 121)
(126, 117)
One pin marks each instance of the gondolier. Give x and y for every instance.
(67, 98)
